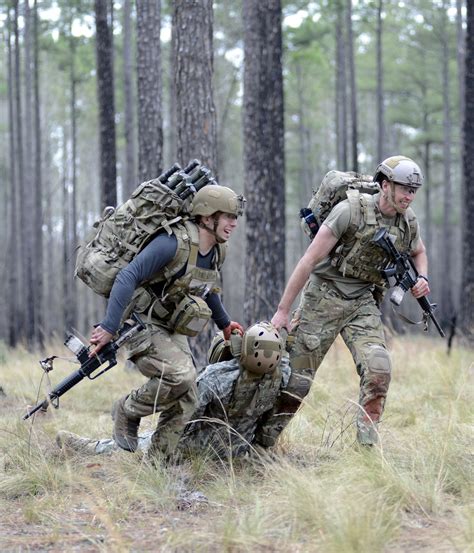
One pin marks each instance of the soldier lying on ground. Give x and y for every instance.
(235, 393)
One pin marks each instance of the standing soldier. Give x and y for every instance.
(173, 282)
(343, 266)
(236, 391)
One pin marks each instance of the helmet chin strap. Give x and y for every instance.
(212, 231)
(390, 197)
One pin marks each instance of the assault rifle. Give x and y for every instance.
(403, 270)
(88, 364)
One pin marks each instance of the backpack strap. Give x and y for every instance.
(187, 250)
(221, 253)
(412, 225)
(355, 210)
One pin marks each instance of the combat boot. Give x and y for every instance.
(125, 426)
(70, 441)
(367, 434)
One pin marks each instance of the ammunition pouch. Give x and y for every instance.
(190, 316)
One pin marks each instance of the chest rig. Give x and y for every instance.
(180, 305)
(253, 395)
(357, 256)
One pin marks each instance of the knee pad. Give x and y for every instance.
(297, 389)
(378, 360)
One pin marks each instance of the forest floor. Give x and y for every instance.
(316, 492)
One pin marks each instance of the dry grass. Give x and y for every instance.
(317, 492)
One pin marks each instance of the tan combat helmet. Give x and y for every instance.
(400, 170)
(213, 198)
(262, 348)
(219, 349)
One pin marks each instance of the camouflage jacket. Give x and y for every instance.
(231, 405)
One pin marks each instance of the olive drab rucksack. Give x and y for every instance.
(334, 188)
(158, 205)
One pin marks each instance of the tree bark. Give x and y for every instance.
(352, 88)
(28, 198)
(380, 90)
(264, 166)
(130, 170)
(38, 183)
(21, 191)
(150, 125)
(13, 280)
(193, 73)
(105, 95)
(304, 140)
(341, 89)
(467, 289)
(72, 238)
(447, 286)
(193, 63)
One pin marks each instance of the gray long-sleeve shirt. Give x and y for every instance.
(156, 255)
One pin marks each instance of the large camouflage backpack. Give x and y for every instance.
(335, 187)
(155, 206)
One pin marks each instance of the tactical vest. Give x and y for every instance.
(254, 394)
(181, 306)
(357, 256)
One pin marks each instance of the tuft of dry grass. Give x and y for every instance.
(316, 491)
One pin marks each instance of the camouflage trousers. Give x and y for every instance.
(324, 315)
(165, 358)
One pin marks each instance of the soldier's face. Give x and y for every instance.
(396, 198)
(226, 225)
(403, 196)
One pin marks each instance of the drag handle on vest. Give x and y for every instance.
(403, 270)
(88, 364)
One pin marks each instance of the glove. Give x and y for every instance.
(227, 331)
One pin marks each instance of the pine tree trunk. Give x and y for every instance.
(305, 172)
(380, 91)
(130, 170)
(447, 286)
(28, 199)
(20, 231)
(264, 166)
(38, 180)
(66, 241)
(352, 88)
(150, 125)
(105, 94)
(467, 288)
(193, 63)
(428, 230)
(193, 73)
(13, 280)
(173, 134)
(72, 238)
(341, 88)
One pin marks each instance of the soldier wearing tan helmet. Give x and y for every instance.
(340, 272)
(173, 282)
(236, 392)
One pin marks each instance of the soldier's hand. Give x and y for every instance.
(421, 288)
(281, 320)
(295, 319)
(227, 331)
(99, 338)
